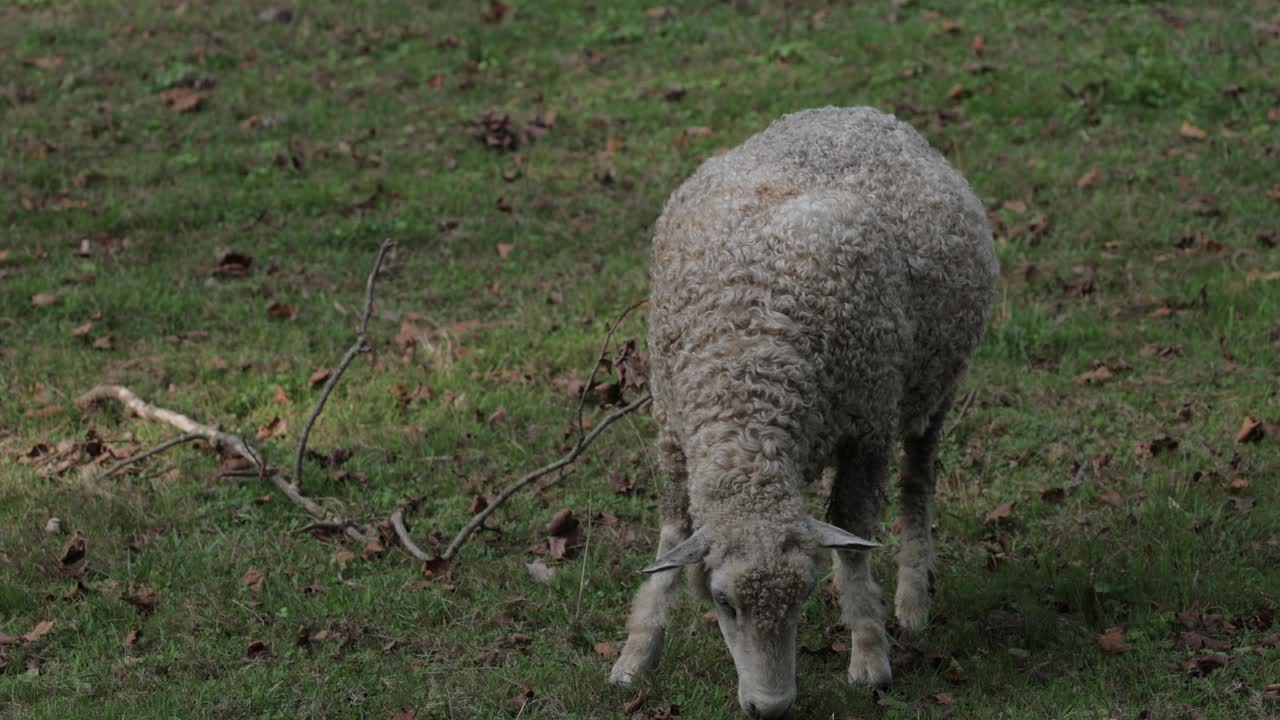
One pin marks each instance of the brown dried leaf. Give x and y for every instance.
(254, 579)
(282, 311)
(318, 378)
(517, 703)
(81, 329)
(43, 299)
(504, 250)
(1096, 376)
(182, 100)
(1088, 178)
(74, 550)
(606, 651)
(634, 703)
(1191, 132)
(1251, 431)
(256, 648)
(496, 12)
(131, 638)
(276, 426)
(1001, 512)
(1112, 640)
(144, 598)
(945, 698)
(106, 342)
(41, 629)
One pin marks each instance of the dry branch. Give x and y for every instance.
(604, 353)
(222, 441)
(361, 345)
(406, 540)
(143, 455)
(478, 519)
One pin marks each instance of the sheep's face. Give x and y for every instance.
(758, 594)
(759, 579)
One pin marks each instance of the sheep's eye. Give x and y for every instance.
(723, 601)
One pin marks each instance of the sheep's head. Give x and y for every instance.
(759, 580)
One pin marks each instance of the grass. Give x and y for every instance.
(368, 106)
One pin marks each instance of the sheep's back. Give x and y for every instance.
(862, 242)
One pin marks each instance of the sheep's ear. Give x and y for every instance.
(688, 552)
(830, 536)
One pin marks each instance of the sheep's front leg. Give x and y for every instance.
(855, 506)
(647, 624)
(915, 558)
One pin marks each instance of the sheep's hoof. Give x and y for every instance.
(869, 661)
(870, 670)
(639, 656)
(911, 601)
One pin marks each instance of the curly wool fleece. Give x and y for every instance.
(829, 278)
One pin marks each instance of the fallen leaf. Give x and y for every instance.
(43, 299)
(281, 311)
(81, 330)
(74, 550)
(41, 629)
(49, 62)
(1251, 431)
(606, 651)
(1205, 664)
(232, 264)
(504, 250)
(275, 427)
(1191, 132)
(958, 92)
(106, 342)
(540, 571)
(373, 549)
(496, 12)
(143, 598)
(1088, 178)
(950, 27)
(253, 579)
(342, 559)
(1001, 511)
(436, 568)
(1112, 640)
(182, 100)
(978, 45)
(280, 397)
(131, 638)
(282, 15)
(256, 648)
(634, 703)
(1096, 376)
(318, 378)
(1015, 206)
(404, 714)
(945, 698)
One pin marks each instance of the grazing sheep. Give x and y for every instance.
(818, 293)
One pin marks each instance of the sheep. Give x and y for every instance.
(817, 294)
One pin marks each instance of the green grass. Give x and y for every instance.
(371, 95)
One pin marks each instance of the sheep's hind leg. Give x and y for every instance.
(915, 558)
(647, 624)
(855, 506)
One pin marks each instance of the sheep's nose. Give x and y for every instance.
(769, 709)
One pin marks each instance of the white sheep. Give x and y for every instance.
(817, 293)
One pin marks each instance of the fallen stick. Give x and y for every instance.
(143, 455)
(604, 351)
(478, 519)
(361, 345)
(406, 540)
(223, 441)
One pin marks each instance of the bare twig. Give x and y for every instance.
(964, 410)
(218, 439)
(406, 540)
(604, 353)
(478, 519)
(361, 345)
(136, 457)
